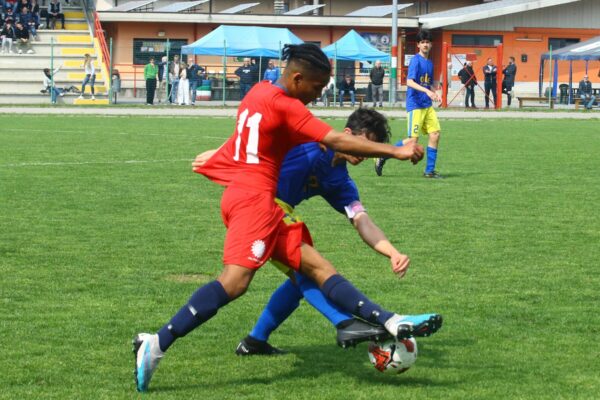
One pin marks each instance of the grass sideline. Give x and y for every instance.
(106, 232)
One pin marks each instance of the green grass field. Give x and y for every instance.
(105, 231)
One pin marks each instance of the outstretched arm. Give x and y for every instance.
(359, 146)
(372, 235)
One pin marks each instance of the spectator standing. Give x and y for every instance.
(90, 76)
(585, 92)
(489, 72)
(469, 80)
(248, 74)
(271, 73)
(347, 86)
(55, 12)
(22, 36)
(183, 89)
(150, 73)
(8, 36)
(327, 91)
(174, 69)
(34, 8)
(376, 75)
(508, 82)
(162, 77)
(195, 74)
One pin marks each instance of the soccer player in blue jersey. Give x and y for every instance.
(421, 116)
(310, 171)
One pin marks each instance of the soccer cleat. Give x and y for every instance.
(425, 325)
(252, 347)
(355, 331)
(379, 163)
(147, 355)
(433, 175)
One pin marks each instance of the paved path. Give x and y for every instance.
(319, 112)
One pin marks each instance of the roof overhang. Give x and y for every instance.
(485, 11)
(255, 19)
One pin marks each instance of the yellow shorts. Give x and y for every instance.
(422, 120)
(290, 217)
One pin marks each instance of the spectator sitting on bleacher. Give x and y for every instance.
(347, 86)
(8, 36)
(34, 8)
(28, 20)
(55, 11)
(8, 14)
(585, 92)
(22, 35)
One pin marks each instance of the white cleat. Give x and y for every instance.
(147, 355)
(399, 326)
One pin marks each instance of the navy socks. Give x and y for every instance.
(201, 307)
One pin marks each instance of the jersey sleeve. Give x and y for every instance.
(344, 195)
(303, 125)
(413, 70)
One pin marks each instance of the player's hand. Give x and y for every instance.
(410, 151)
(434, 96)
(400, 263)
(201, 159)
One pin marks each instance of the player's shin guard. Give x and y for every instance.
(345, 295)
(281, 305)
(201, 307)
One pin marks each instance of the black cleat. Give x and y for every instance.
(379, 163)
(252, 347)
(433, 175)
(355, 331)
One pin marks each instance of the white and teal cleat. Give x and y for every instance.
(147, 355)
(405, 326)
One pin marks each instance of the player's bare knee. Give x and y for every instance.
(434, 139)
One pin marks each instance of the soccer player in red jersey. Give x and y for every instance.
(271, 120)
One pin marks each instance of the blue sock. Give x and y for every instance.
(281, 305)
(202, 306)
(345, 295)
(317, 299)
(431, 157)
(399, 143)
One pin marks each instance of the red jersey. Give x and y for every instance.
(269, 124)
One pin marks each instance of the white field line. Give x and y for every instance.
(112, 133)
(60, 164)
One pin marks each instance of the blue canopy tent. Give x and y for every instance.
(584, 51)
(242, 41)
(352, 47)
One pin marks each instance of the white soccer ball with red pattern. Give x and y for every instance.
(393, 356)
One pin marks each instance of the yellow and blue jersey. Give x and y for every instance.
(307, 172)
(420, 70)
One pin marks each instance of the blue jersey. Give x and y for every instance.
(420, 70)
(307, 172)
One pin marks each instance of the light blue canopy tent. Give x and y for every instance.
(243, 41)
(587, 51)
(354, 47)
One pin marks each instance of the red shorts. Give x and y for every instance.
(256, 231)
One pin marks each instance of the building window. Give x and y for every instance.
(143, 49)
(476, 40)
(560, 42)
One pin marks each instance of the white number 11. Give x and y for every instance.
(252, 145)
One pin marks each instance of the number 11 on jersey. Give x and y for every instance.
(252, 143)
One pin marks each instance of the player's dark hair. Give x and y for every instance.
(423, 34)
(371, 123)
(306, 54)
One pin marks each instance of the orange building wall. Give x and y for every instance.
(533, 48)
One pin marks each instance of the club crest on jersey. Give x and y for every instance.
(258, 249)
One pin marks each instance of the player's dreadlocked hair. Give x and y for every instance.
(307, 54)
(423, 34)
(370, 122)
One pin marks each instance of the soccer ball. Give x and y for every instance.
(393, 356)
